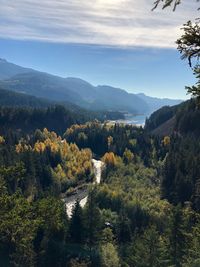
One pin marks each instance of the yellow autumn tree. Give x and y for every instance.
(64, 148)
(2, 140)
(20, 148)
(109, 159)
(39, 147)
(166, 140)
(75, 165)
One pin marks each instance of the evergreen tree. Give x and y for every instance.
(92, 221)
(76, 228)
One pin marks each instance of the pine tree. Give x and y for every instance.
(76, 228)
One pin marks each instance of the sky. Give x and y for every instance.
(121, 43)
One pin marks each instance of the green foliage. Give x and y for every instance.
(188, 119)
(128, 156)
(56, 118)
(181, 172)
(146, 249)
(78, 263)
(18, 227)
(76, 228)
(109, 256)
(13, 176)
(93, 219)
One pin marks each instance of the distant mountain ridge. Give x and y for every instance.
(76, 91)
(156, 103)
(7, 69)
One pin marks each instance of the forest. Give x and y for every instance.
(144, 213)
(24, 119)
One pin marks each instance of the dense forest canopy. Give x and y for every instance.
(145, 212)
(57, 118)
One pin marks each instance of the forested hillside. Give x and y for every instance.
(54, 117)
(183, 119)
(180, 182)
(14, 99)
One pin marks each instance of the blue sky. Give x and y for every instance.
(117, 42)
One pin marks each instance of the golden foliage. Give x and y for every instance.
(20, 148)
(39, 147)
(2, 140)
(109, 159)
(166, 140)
(75, 164)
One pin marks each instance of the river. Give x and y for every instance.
(82, 194)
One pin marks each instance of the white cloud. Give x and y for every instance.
(102, 22)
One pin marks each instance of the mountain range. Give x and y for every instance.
(76, 91)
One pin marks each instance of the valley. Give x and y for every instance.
(99, 140)
(80, 186)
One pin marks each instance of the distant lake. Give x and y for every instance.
(138, 120)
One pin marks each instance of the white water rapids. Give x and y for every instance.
(82, 195)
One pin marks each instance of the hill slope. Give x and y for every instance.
(183, 119)
(15, 99)
(7, 69)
